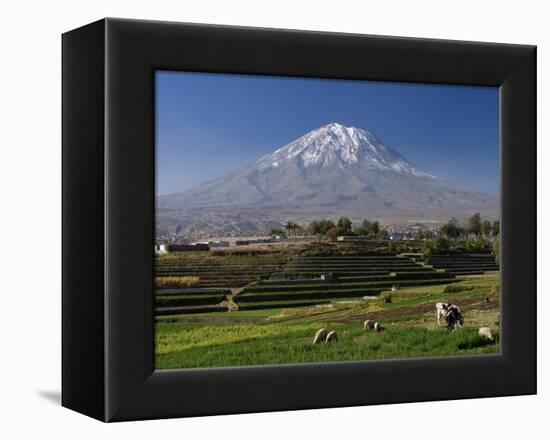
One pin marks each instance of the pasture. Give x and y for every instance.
(265, 308)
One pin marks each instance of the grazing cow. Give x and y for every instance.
(320, 336)
(441, 311)
(377, 327)
(485, 332)
(453, 317)
(332, 336)
(368, 324)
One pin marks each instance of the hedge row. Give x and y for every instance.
(193, 291)
(188, 300)
(305, 295)
(422, 275)
(256, 288)
(279, 305)
(192, 309)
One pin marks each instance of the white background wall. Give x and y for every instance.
(30, 186)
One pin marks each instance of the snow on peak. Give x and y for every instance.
(336, 144)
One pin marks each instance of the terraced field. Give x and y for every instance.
(284, 335)
(465, 264)
(219, 276)
(220, 270)
(265, 307)
(300, 282)
(275, 280)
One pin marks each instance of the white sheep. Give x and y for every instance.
(332, 336)
(485, 332)
(378, 327)
(320, 336)
(368, 324)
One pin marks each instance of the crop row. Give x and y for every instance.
(260, 291)
(342, 293)
(281, 304)
(185, 300)
(193, 292)
(159, 311)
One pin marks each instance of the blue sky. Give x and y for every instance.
(210, 124)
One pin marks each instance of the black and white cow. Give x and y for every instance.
(453, 317)
(451, 314)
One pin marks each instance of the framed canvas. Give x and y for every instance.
(236, 240)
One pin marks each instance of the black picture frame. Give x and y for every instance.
(108, 219)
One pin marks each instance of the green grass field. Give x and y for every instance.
(284, 335)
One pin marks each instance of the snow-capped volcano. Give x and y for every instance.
(337, 144)
(326, 173)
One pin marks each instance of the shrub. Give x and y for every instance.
(321, 251)
(331, 234)
(176, 282)
(438, 245)
(457, 289)
(477, 244)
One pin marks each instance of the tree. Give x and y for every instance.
(320, 227)
(374, 229)
(325, 225)
(496, 228)
(343, 227)
(291, 227)
(288, 227)
(364, 228)
(451, 229)
(486, 228)
(474, 224)
(369, 229)
(314, 228)
(438, 245)
(331, 234)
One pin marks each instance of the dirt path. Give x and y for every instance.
(465, 304)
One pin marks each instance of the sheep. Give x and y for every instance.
(320, 336)
(368, 325)
(485, 332)
(377, 327)
(332, 336)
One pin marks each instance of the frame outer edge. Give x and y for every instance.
(134, 390)
(83, 341)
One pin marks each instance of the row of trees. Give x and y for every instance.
(477, 235)
(331, 230)
(344, 226)
(475, 226)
